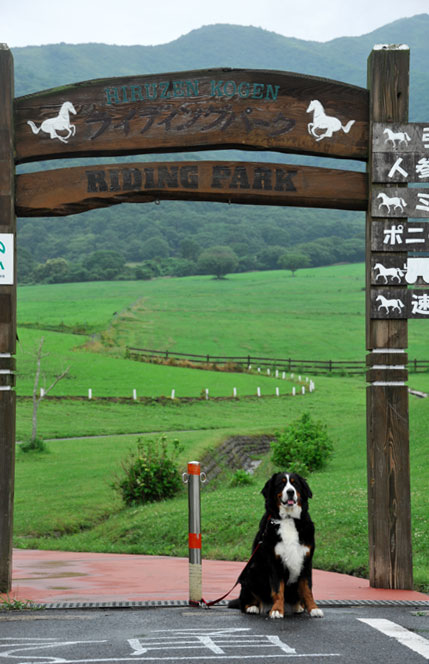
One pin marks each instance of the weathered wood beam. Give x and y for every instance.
(68, 191)
(203, 109)
(7, 321)
(389, 510)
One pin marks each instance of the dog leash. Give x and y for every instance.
(206, 604)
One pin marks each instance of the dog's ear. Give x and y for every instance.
(268, 493)
(267, 488)
(305, 488)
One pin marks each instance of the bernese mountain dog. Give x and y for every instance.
(279, 571)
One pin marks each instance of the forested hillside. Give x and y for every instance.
(138, 241)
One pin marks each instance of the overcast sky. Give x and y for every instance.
(34, 22)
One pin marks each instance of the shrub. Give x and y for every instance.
(150, 474)
(241, 478)
(303, 447)
(33, 445)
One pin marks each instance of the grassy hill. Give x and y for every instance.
(64, 498)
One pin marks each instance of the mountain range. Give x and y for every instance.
(249, 229)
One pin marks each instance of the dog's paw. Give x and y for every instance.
(298, 608)
(316, 613)
(276, 614)
(252, 609)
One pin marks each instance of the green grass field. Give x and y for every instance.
(64, 498)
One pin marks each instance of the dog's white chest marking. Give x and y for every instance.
(289, 549)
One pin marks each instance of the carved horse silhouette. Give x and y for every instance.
(61, 122)
(395, 201)
(385, 272)
(398, 137)
(395, 304)
(323, 122)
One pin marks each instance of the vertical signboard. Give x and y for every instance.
(389, 511)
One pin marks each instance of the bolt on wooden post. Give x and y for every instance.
(7, 317)
(389, 511)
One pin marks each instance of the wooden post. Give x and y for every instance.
(7, 320)
(389, 505)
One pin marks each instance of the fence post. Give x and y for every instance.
(194, 532)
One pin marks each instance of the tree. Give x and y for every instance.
(26, 265)
(294, 261)
(155, 247)
(104, 265)
(53, 271)
(218, 261)
(269, 257)
(37, 397)
(190, 249)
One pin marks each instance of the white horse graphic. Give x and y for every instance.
(324, 122)
(394, 304)
(385, 272)
(61, 122)
(396, 138)
(397, 202)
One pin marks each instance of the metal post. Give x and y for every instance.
(194, 502)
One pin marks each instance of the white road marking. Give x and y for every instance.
(404, 636)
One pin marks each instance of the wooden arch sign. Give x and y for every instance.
(217, 109)
(194, 110)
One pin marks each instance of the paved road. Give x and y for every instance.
(378, 635)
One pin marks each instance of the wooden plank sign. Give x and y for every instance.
(68, 191)
(394, 236)
(399, 137)
(400, 152)
(391, 269)
(391, 167)
(202, 109)
(399, 303)
(399, 202)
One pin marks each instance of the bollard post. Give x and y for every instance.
(194, 505)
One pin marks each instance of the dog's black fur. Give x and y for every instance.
(280, 569)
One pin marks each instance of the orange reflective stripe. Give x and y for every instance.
(193, 469)
(195, 540)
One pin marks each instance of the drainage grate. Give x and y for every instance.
(420, 604)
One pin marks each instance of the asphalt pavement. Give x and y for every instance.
(352, 635)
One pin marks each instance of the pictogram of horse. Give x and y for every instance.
(60, 122)
(396, 138)
(323, 122)
(395, 304)
(385, 272)
(395, 201)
